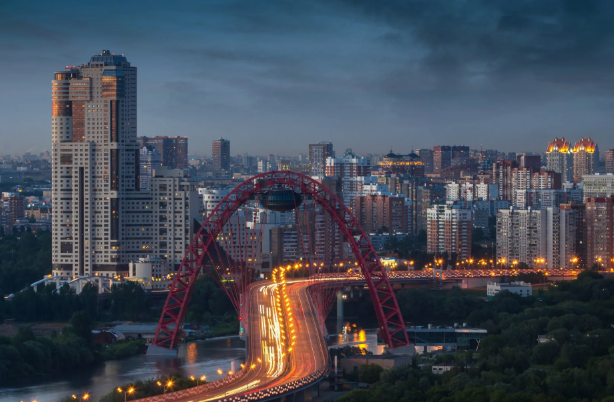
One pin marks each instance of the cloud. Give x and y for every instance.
(363, 73)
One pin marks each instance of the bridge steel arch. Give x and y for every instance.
(392, 326)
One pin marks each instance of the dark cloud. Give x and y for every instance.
(569, 42)
(363, 73)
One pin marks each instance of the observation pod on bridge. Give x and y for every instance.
(280, 199)
(228, 245)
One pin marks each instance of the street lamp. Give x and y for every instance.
(128, 391)
(202, 378)
(83, 397)
(165, 386)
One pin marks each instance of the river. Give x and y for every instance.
(193, 359)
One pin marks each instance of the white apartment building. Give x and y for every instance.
(598, 185)
(350, 168)
(536, 198)
(212, 196)
(177, 213)
(449, 230)
(520, 288)
(522, 236)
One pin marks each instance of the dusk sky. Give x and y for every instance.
(273, 76)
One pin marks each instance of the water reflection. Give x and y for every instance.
(356, 336)
(194, 359)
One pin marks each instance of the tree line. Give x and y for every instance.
(574, 363)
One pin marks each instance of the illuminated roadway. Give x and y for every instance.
(270, 370)
(269, 367)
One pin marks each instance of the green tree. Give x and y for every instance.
(369, 373)
(81, 325)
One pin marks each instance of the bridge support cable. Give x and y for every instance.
(212, 244)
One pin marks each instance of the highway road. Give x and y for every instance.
(269, 364)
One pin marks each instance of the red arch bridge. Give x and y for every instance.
(283, 317)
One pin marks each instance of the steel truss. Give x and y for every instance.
(392, 326)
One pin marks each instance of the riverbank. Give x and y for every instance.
(196, 358)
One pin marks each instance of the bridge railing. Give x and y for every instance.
(280, 389)
(198, 390)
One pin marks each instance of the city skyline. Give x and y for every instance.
(401, 74)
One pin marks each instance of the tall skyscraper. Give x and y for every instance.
(442, 158)
(609, 161)
(585, 158)
(173, 150)
(102, 220)
(559, 158)
(95, 163)
(317, 157)
(221, 154)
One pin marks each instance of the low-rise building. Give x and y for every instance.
(520, 288)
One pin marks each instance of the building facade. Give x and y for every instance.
(559, 158)
(221, 154)
(350, 169)
(390, 214)
(442, 158)
(585, 158)
(522, 236)
(150, 159)
(318, 153)
(598, 185)
(599, 232)
(173, 151)
(449, 231)
(609, 161)
(95, 164)
(11, 210)
(102, 220)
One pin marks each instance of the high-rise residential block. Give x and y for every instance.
(529, 161)
(173, 150)
(221, 154)
(559, 158)
(150, 159)
(460, 155)
(11, 210)
(511, 178)
(522, 236)
(609, 161)
(177, 210)
(102, 220)
(598, 185)
(426, 155)
(391, 214)
(449, 231)
(572, 239)
(410, 165)
(599, 232)
(318, 153)
(442, 157)
(95, 165)
(585, 158)
(349, 168)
